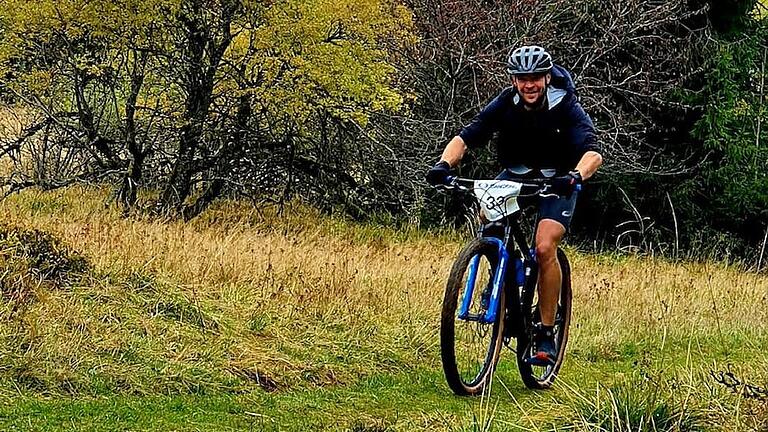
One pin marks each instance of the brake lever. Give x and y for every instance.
(451, 185)
(546, 188)
(545, 192)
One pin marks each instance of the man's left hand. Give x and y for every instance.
(565, 185)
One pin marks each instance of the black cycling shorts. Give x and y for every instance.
(559, 209)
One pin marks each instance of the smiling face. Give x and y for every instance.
(532, 87)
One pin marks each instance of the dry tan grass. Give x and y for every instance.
(246, 295)
(236, 246)
(636, 295)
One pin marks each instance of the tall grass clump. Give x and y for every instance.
(637, 403)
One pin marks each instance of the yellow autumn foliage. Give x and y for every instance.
(293, 56)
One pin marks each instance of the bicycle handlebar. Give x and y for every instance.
(543, 184)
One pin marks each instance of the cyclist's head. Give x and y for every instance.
(530, 68)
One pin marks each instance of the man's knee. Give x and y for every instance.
(548, 238)
(546, 250)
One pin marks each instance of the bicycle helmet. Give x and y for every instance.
(529, 59)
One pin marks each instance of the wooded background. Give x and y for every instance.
(345, 104)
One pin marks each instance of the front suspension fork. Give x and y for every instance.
(499, 276)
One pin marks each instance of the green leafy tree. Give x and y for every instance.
(187, 95)
(734, 129)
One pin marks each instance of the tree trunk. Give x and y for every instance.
(234, 149)
(204, 52)
(132, 179)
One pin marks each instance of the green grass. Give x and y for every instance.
(415, 400)
(409, 400)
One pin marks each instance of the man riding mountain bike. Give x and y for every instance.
(541, 130)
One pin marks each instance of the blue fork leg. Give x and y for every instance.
(498, 282)
(469, 288)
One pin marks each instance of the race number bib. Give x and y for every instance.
(498, 198)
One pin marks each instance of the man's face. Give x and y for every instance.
(531, 87)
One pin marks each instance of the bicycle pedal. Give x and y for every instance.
(540, 359)
(473, 317)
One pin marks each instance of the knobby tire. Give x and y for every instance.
(453, 289)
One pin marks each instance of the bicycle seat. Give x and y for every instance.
(523, 171)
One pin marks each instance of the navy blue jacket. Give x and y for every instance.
(556, 136)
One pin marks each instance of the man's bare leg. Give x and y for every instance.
(548, 237)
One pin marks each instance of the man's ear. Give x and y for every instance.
(548, 77)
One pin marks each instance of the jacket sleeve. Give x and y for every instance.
(486, 122)
(581, 130)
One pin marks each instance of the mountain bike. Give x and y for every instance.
(491, 296)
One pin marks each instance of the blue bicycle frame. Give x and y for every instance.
(499, 275)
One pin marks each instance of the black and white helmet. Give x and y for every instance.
(529, 59)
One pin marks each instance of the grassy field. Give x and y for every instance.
(246, 320)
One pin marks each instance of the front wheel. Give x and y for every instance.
(542, 377)
(469, 348)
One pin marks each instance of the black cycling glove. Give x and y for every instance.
(438, 175)
(565, 185)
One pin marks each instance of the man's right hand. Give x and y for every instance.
(438, 175)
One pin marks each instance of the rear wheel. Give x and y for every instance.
(469, 348)
(542, 377)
